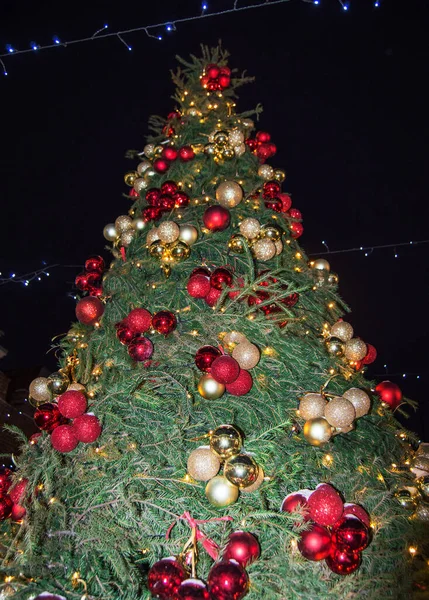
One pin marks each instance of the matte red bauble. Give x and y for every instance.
(224, 81)
(186, 153)
(192, 589)
(242, 547)
(124, 334)
(89, 310)
(371, 355)
(297, 502)
(161, 165)
(18, 512)
(139, 320)
(342, 562)
(17, 492)
(263, 137)
(87, 428)
(212, 71)
(72, 404)
(165, 577)
(205, 357)
(270, 189)
(286, 201)
(181, 199)
(151, 213)
(358, 511)
(221, 278)
(274, 204)
(198, 286)
(227, 580)
(5, 480)
(153, 195)
(140, 349)
(325, 505)
(315, 543)
(95, 264)
(81, 281)
(47, 417)
(295, 213)
(169, 187)
(64, 439)
(242, 385)
(390, 393)
(6, 505)
(225, 369)
(170, 154)
(216, 218)
(351, 534)
(164, 322)
(296, 229)
(213, 296)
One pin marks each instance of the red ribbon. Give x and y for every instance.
(209, 545)
(124, 256)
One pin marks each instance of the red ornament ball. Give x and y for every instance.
(139, 320)
(286, 201)
(153, 195)
(140, 349)
(198, 286)
(81, 281)
(164, 322)
(225, 369)
(186, 153)
(124, 334)
(325, 505)
(87, 428)
(216, 218)
(221, 278)
(263, 137)
(270, 189)
(351, 534)
(294, 213)
(169, 187)
(390, 393)
(5, 480)
(238, 283)
(296, 229)
(274, 204)
(33, 438)
(181, 199)
(212, 71)
(174, 114)
(89, 310)
(371, 355)
(192, 589)
(161, 165)
(165, 577)
(72, 404)
(213, 296)
(6, 505)
(227, 580)
(93, 279)
(170, 154)
(205, 357)
(47, 417)
(133, 193)
(242, 547)
(358, 511)
(201, 271)
(297, 502)
(224, 81)
(343, 562)
(95, 291)
(17, 492)
(18, 512)
(64, 439)
(166, 203)
(95, 264)
(242, 385)
(315, 543)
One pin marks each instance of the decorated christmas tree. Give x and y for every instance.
(210, 433)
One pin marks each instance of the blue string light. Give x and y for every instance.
(56, 40)
(368, 249)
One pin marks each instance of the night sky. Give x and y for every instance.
(344, 99)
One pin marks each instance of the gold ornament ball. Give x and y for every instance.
(255, 486)
(77, 387)
(220, 492)
(168, 232)
(57, 383)
(321, 265)
(180, 251)
(126, 237)
(209, 388)
(335, 346)
(149, 150)
(247, 355)
(166, 253)
(225, 441)
(210, 149)
(248, 123)
(422, 513)
(156, 249)
(139, 224)
(241, 470)
(420, 465)
(123, 223)
(279, 247)
(143, 166)
(203, 464)
(110, 233)
(250, 228)
(158, 150)
(152, 236)
(229, 194)
(271, 233)
(130, 177)
(423, 487)
(342, 331)
(140, 184)
(192, 112)
(312, 406)
(234, 337)
(220, 137)
(240, 150)
(266, 172)
(279, 175)
(39, 390)
(264, 249)
(340, 412)
(235, 137)
(333, 279)
(228, 153)
(406, 498)
(355, 349)
(360, 401)
(188, 234)
(317, 431)
(237, 244)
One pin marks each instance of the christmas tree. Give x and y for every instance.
(210, 432)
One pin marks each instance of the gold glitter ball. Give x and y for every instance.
(240, 149)
(360, 400)
(126, 237)
(143, 166)
(235, 137)
(266, 172)
(152, 236)
(250, 228)
(234, 337)
(168, 232)
(203, 464)
(340, 412)
(264, 249)
(355, 349)
(342, 331)
(312, 406)
(123, 223)
(279, 247)
(247, 355)
(140, 184)
(149, 150)
(229, 194)
(39, 390)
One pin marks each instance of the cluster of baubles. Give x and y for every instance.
(163, 200)
(207, 285)
(90, 280)
(130, 331)
(45, 389)
(264, 240)
(322, 272)
(338, 533)
(240, 470)
(327, 415)
(225, 145)
(415, 496)
(215, 78)
(341, 343)
(123, 230)
(276, 200)
(262, 146)
(171, 243)
(11, 496)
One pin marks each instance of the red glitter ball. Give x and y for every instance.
(242, 385)
(297, 229)
(169, 187)
(64, 439)
(166, 203)
(151, 213)
(325, 505)
(152, 196)
(198, 286)
(17, 492)
(225, 369)
(243, 547)
(274, 204)
(6, 506)
(5, 480)
(140, 349)
(371, 355)
(72, 404)
(181, 199)
(315, 543)
(87, 428)
(270, 189)
(205, 357)
(213, 296)
(139, 320)
(89, 310)
(294, 213)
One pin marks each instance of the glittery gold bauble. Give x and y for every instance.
(188, 234)
(247, 355)
(266, 172)
(130, 177)
(423, 487)
(203, 464)
(139, 224)
(248, 123)
(250, 228)
(241, 470)
(420, 465)
(240, 150)
(342, 330)
(321, 265)
(406, 498)
(317, 431)
(335, 346)
(225, 441)
(126, 237)
(149, 150)
(152, 236)
(39, 390)
(140, 184)
(355, 349)
(58, 383)
(234, 337)
(333, 279)
(143, 166)
(77, 387)
(192, 112)
(209, 388)
(168, 232)
(180, 251)
(340, 412)
(123, 223)
(110, 233)
(156, 249)
(237, 244)
(220, 492)
(229, 194)
(279, 247)
(279, 175)
(312, 406)
(210, 149)
(220, 137)
(271, 233)
(422, 513)
(264, 249)
(360, 401)
(235, 137)
(259, 481)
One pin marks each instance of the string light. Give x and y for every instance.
(368, 249)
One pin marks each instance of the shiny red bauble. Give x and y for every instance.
(315, 543)
(242, 385)
(221, 278)
(252, 144)
(87, 428)
(192, 589)
(64, 439)
(263, 137)
(89, 310)
(351, 534)
(170, 154)
(95, 264)
(343, 562)
(181, 199)
(198, 286)
(140, 349)
(358, 511)
(216, 218)
(166, 203)
(93, 279)
(295, 213)
(81, 281)
(225, 369)
(325, 505)
(174, 114)
(371, 355)
(165, 577)
(286, 201)
(390, 393)
(296, 230)
(151, 213)
(5, 480)
(139, 320)
(47, 417)
(265, 151)
(213, 296)
(212, 71)
(18, 512)
(227, 580)
(270, 189)
(72, 404)
(164, 322)
(274, 204)
(6, 505)
(17, 492)
(169, 187)
(133, 193)
(205, 357)
(243, 547)
(186, 153)
(224, 81)
(161, 165)
(124, 334)
(153, 195)
(297, 502)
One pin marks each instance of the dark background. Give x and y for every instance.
(344, 98)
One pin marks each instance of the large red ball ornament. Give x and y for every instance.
(89, 310)
(216, 218)
(358, 511)
(124, 334)
(81, 281)
(170, 154)
(221, 278)
(243, 547)
(6, 505)
(227, 580)
(198, 286)
(166, 203)
(186, 153)
(164, 322)
(351, 534)
(315, 543)
(325, 505)
(286, 201)
(17, 492)
(18, 512)
(153, 195)
(343, 562)
(95, 264)
(72, 404)
(225, 369)
(151, 213)
(5, 480)
(295, 213)
(371, 355)
(242, 385)
(161, 165)
(64, 438)
(296, 230)
(212, 71)
(165, 577)
(140, 349)
(263, 137)
(47, 417)
(297, 502)
(181, 199)
(390, 393)
(169, 187)
(271, 189)
(205, 357)
(87, 428)
(213, 296)
(139, 320)
(224, 81)
(192, 589)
